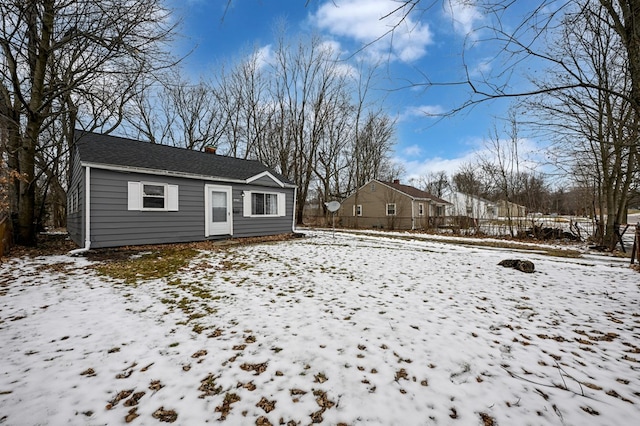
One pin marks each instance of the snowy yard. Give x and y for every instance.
(346, 329)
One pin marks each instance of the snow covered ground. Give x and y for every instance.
(333, 329)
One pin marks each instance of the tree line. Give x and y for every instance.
(60, 60)
(572, 68)
(106, 66)
(298, 109)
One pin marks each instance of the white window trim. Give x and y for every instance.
(395, 211)
(247, 206)
(420, 209)
(136, 197)
(357, 209)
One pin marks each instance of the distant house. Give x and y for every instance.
(509, 209)
(391, 205)
(471, 206)
(127, 192)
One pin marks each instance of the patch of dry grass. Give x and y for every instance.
(160, 261)
(152, 265)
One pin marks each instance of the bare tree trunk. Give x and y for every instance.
(54, 51)
(39, 48)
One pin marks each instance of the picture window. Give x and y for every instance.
(264, 204)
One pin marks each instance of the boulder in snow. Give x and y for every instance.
(521, 265)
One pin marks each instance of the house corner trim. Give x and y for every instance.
(87, 209)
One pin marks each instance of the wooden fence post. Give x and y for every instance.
(635, 253)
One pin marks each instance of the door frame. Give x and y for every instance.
(208, 231)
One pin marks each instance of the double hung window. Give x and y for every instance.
(391, 209)
(152, 196)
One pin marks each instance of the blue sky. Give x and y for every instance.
(430, 43)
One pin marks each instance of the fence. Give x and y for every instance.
(5, 235)
(635, 252)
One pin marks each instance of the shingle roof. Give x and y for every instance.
(110, 150)
(415, 192)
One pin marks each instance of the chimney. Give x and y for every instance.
(396, 181)
(210, 149)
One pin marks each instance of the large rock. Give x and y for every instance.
(521, 265)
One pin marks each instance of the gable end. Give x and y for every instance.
(263, 176)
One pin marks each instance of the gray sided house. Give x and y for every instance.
(127, 192)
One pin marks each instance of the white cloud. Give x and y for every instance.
(422, 111)
(415, 168)
(334, 48)
(264, 56)
(464, 14)
(412, 151)
(481, 69)
(331, 46)
(530, 154)
(366, 21)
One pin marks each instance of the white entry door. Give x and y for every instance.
(218, 217)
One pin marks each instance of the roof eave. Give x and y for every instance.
(173, 173)
(156, 172)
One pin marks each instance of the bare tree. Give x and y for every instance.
(501, 163)
(173, 111)
(469, 179)
(595, 128)
(520, 36)
(56, 52)
(371, 149)
(519, 33)
(245, 107)
(533, 192)
(371, 139)
(146, 115)
(308, 86)
(333, 161)
(435, 183)
(199, 120)
(307, 115)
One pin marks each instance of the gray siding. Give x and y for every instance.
(112, 224)
(264, 181)
(75, 220)
(257, 226)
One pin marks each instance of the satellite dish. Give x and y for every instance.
(332, 206)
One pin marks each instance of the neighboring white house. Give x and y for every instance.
(509, 209)
(470, 206)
